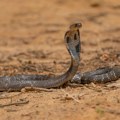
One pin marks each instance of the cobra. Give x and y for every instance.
(72, 41)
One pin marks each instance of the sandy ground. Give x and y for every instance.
(31, 42)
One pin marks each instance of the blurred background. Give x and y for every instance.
(32, 42)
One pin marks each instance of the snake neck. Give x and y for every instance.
(73, 67)
(72, 39)
(68, 75)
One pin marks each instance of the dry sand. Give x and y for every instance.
(31, 42)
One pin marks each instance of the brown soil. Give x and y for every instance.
(31, 42)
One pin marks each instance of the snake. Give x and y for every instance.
(73, 45)
(17, 82)
(100, 75)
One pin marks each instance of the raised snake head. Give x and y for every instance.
(72, 40)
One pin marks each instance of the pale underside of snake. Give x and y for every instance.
(72, 40)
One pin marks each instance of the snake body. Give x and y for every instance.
(101, 75)
(72, 40)
(16, 83)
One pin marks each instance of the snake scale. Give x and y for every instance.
(73, 45)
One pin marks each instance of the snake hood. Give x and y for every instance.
(16, 83)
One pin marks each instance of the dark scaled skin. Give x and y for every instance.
(72, 40)
(101, 75)
(16, 83)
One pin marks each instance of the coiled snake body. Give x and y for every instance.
(101, 75)
(72, 40)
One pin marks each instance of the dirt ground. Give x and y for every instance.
(31, 42)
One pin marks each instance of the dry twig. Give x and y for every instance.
(27, 89)
(15, 103)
